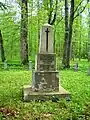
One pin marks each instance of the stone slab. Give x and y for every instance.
(46, 62)
(30, 95)
(46, 81)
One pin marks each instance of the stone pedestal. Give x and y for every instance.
(45, 80)
(30, 95)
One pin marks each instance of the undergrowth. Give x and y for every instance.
(12, 106)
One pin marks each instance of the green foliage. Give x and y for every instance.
(13, 107)
(10, 32)
(38, 15)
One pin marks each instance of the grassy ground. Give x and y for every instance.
(12, 106)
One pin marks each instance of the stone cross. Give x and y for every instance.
(46, 39)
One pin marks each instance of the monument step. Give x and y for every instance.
(45, 67)
(52, 71)
(46, 64)
(46, 81)
(46, 58)
(29, 95)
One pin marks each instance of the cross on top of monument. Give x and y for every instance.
(47, 31)
(46, 39)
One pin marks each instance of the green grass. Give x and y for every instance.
(12, 106)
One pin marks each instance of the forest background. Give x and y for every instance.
(20, 23)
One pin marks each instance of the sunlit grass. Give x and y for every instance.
(77, 83)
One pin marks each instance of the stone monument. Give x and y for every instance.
(45, 78)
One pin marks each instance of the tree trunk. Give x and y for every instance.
(3, 6)
(79, 57)
(88, 33)
(51, 20)
(68, 36)
(24, 32)
(50, 14)
(64, 61)
(70, 32)
(2, 48)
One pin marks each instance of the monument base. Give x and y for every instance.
(30, 95)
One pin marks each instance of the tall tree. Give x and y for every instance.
(2, 48)
(3, 7)
(88, 1)
(52, 14)
(24, 32)
(70, 33)
(64, 61)
(69, 22)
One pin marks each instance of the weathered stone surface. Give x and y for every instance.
(30, 95)
(46, 81)
(42, 46)
(46, 62)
